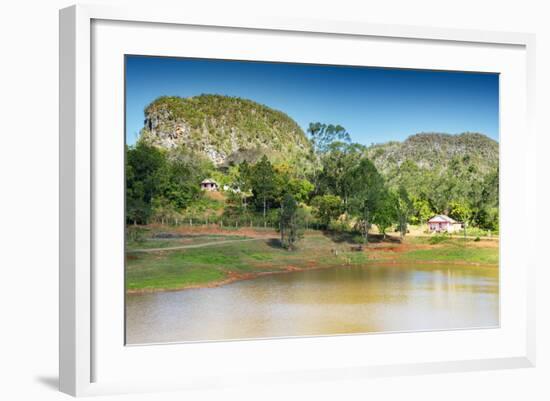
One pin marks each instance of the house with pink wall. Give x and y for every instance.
(442, 223)
(209, 185)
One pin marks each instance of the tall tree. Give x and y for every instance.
(404, 209)
(144, 166)
(385, 213)
(369, 189)
(461, 211)
(288, 222)
(322, 135)
(287, 182)
(338, 164)
(263, 183)
(243, 182)
(485, 209)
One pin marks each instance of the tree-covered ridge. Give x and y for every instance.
(442, 173)
(226, 129)
(435, 151)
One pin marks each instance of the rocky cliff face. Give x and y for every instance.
(226, 129)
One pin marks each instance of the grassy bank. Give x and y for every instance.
(224, 257)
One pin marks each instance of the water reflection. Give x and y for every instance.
(320, 302)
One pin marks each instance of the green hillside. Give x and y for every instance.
(436, 152)
(226, 129)
(442, 173)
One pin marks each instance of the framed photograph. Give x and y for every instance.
(270, 200)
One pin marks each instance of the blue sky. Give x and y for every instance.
(374, 104)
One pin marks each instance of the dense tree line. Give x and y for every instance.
(342, 190)
(161, 183)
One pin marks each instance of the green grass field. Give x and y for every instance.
(453, 253)
(196, 267)
(153, 243)
(453, 250)
(192, 267)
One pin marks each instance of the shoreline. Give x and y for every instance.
(235, 277)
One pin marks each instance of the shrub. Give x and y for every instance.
(136, 234)
(438, 238)
(340, 226)
(357, 239)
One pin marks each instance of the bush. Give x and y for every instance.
(438, 238)
(477, 232)
(136, 234)
(340, 226)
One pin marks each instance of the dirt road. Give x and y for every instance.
(175, 248)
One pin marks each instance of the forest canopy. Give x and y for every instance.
(342, 188)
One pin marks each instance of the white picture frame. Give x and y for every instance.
(85, 352)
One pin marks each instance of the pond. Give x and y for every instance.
(339, 300)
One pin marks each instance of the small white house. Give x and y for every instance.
(209, 185)
(442, 223)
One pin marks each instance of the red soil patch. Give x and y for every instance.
(215, 195)
(485, 244)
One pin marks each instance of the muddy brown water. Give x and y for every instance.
(343, 300)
